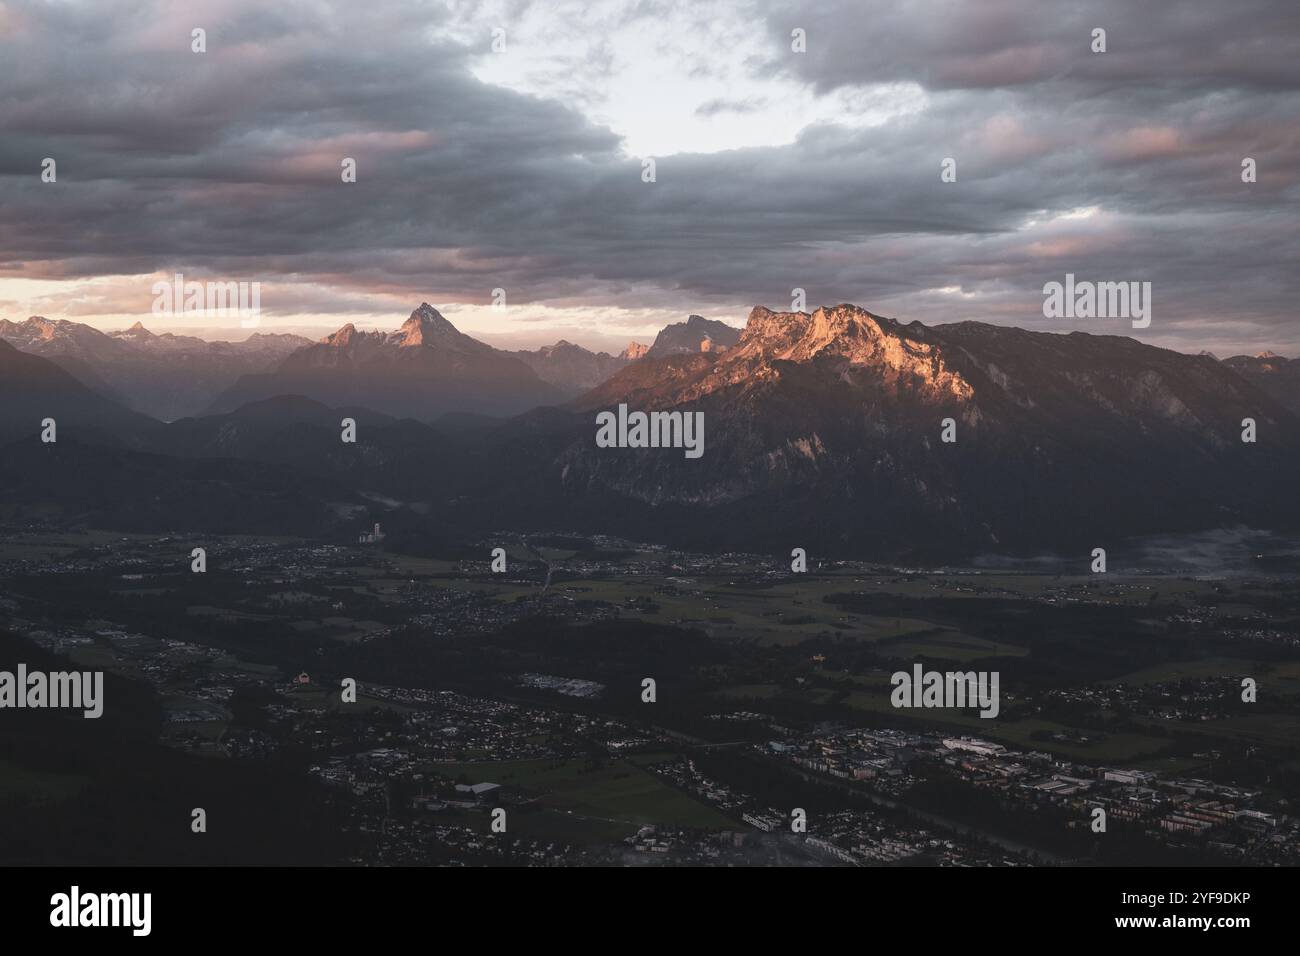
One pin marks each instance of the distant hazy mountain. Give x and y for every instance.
(78, 349)
(1278, 376)
(697, 334)
(168, 343)
(571, 368)
(33, 388)
(166, 376)
(425, 369)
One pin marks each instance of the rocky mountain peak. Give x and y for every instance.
(342, 338)
(850, 337)
(42, 326)
(697, 334)
(842, 329)
(427, 326)
(562, 346)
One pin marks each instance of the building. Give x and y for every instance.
(1129, 777)
(972, 745)
(478, 791)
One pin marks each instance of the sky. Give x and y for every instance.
(502, 146)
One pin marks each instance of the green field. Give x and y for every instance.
(621, 796)
(1282, 730)
(1272, 677)
(1207, 667)
(25, 782)
(951, 646)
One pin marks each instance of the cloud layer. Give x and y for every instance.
(1123, 165)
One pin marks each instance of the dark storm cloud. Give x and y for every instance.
(960, 45)
(228, 162)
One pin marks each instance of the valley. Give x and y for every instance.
(771, 686)
(669, 653)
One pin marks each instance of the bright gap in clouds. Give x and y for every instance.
(685, 78)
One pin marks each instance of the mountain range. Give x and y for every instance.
(166, 376)
(696, 334)
(574, 369)
(1278, 376)
(1057, 437)
(424, 369)
(822, 430)
(33, 389)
